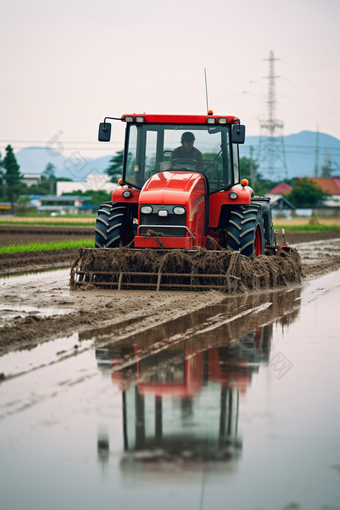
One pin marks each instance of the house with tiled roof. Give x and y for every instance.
(331, 186)
(281, 189)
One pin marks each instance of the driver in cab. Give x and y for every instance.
(187, 150)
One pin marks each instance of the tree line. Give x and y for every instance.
(304, 193)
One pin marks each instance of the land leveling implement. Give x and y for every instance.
(182, 217)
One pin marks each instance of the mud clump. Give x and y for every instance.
(225, 270)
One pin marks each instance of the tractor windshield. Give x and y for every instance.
(153, 148)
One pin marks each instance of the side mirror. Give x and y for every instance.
(238, 133)
(104, 133)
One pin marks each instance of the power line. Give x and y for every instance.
(302, 124)
(316, 102)
(15, 147)
(44, 141)
(299, 107)
(296, 150)
(310, 81)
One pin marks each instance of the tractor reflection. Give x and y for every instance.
(181, 398)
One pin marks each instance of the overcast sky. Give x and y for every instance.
(67, 64)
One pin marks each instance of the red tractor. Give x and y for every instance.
(181, 188)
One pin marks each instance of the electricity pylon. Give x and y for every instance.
(271, 155)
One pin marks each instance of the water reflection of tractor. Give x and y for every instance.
(181, 381)
(182, 402)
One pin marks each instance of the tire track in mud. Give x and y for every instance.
(197, 328)
(214, 326)
(99, 308)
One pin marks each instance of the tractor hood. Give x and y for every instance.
(173, 187)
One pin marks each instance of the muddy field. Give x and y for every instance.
(39, 307)
(171, 398)
(22, 234)
(38, 261)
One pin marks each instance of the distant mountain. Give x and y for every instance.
(33, 160)
(300, 153)
(299, 149)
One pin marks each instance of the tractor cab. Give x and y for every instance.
(160, 145)
(156, 143)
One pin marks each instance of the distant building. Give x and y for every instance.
(61, 205)
(31, 179)
(94, 182)
(5, 208)
(330, 185)
(279, 202)
(280, 189)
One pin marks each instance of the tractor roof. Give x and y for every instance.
(177, 119)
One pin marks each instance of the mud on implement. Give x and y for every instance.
(181, 218)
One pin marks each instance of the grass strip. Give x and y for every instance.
(49, 223)
(47, 216)
(60, 245)
(307, 228)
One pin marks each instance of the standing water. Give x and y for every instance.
(232, 406)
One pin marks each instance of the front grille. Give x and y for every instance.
(171, 219)
(167, 232)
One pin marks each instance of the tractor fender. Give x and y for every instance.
(131, 202)
(266, 211)
(117, 195)
(222, 198)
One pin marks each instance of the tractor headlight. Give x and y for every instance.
(179, 210)
(146, 209)
(211, 120)
(162, 212)
(222, 120)
(233, 195)
(139, 119)
(129, 118)
(127, 194)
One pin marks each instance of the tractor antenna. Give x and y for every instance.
(206, 88)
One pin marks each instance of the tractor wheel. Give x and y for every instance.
(113, 226)
(245, 230)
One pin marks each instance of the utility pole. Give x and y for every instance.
(251, 165)
(327, 170)
(272, 156)
(316, 168)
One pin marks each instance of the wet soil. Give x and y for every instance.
(17, 263)
(109, 308)
(40, 260)
(95, 309)
(37, 261)
(210, 385)
(22, 234)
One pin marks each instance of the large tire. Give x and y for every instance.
(113, 226)
(245, 230)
